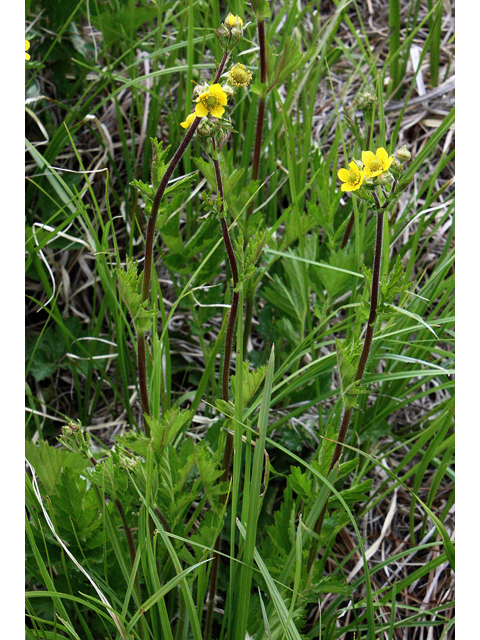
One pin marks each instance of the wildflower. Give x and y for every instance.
(377, 164)
(352, 180)
(27, 47)
(212, 101)
(188, 120)
(239, 76)
(232, 21)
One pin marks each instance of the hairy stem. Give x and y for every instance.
(255, 171)
(150, 235)
(348, 230)
(227, 454)
(342, 433)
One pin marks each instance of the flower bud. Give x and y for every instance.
(232, 22)
(198, 90)
(403, 154)
(366, 101)
(205, 129)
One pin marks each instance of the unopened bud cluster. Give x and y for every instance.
(230, 32)
(75, 439)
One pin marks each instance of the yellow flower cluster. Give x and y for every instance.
(373, 165)
(210, 102)
(27, 47)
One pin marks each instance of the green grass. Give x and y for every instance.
(142, 522)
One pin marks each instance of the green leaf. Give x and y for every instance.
(251, 380)
(76, 514)
(347, 360)
(130, 285)
(168, 426)
(301, 483)
(49, 462)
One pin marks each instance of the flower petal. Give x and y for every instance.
(382, 155)
(368, 157)
(353, 167)
(201, 111)
(343, 175)
(217, 112)
(387, 164)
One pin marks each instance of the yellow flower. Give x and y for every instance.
(27, 47)
(233, 21)
(239, 76)
(352, 180)
(212, 101)
(376, 164)
(188, 121)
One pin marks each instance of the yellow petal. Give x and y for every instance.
(201, 111)
(217, 112)
(343, 175)
(188, 121)
(387, 164)
(346, 187)
(382, 155)
(353, 167)
(368, 157)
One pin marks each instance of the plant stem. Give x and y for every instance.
(227, 454)
(130, 540)
(348, 230)
(342, 433)
(255, 171)
(150, 235)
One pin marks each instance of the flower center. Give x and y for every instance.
(376, 165)
(209, 101)
(353, 177)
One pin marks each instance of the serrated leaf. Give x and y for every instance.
(49, 462)
(330, 585)
(76, 511)
(347, 367)
(282, 533)
(145, 189)
(301, 483)
(130, 285)
(251, 380)
(393, 286)
(159, 155)
(109, 476)
(352, 495)
(225, 407)
(165, 429)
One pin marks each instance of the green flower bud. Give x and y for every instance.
(366, 101)
(205, 129)
(403, 154)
